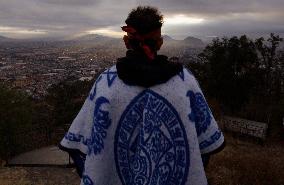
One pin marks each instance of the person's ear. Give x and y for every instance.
(126, 41)
(160, 43)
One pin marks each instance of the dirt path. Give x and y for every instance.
(50, 155)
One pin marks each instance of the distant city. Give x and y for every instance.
(34, 65)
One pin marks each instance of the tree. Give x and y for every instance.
(231, 67)
(271, 64)
(15, 117)
(64, 101)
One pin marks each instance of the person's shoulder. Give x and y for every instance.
(104, 79)
(111, 69)
(189, 78)
(106, 72)
(186, 75)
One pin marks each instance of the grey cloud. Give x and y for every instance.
(228, 27)
(217, 6)
(75, 16)
(71, 2)
(33, 14)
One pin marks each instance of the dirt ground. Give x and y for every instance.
(38, 176)
(240, 163)
(245, 162)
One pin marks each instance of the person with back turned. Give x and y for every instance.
(145, 121)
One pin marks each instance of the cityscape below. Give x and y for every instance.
(34, 65)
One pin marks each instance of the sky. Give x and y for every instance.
(182, 18)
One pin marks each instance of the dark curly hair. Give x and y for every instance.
(145, 19)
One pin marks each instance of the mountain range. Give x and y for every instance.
(110, 42)
(95, 39)
(187, 42)
(5, 39)
(168, 41)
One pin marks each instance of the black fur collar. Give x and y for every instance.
(134, 69)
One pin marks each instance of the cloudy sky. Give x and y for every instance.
(200, 18)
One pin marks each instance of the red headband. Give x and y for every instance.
(147, 50)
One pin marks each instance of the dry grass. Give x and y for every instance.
(247, 163)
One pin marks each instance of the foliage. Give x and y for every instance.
(271, 63)
(16, 117)
(230, 65)
(239, 72)
(26, 124)
(64, 101)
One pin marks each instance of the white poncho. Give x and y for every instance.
(144, 136)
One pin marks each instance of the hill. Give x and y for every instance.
(6, 39)
(192, 41)
(95, 40)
